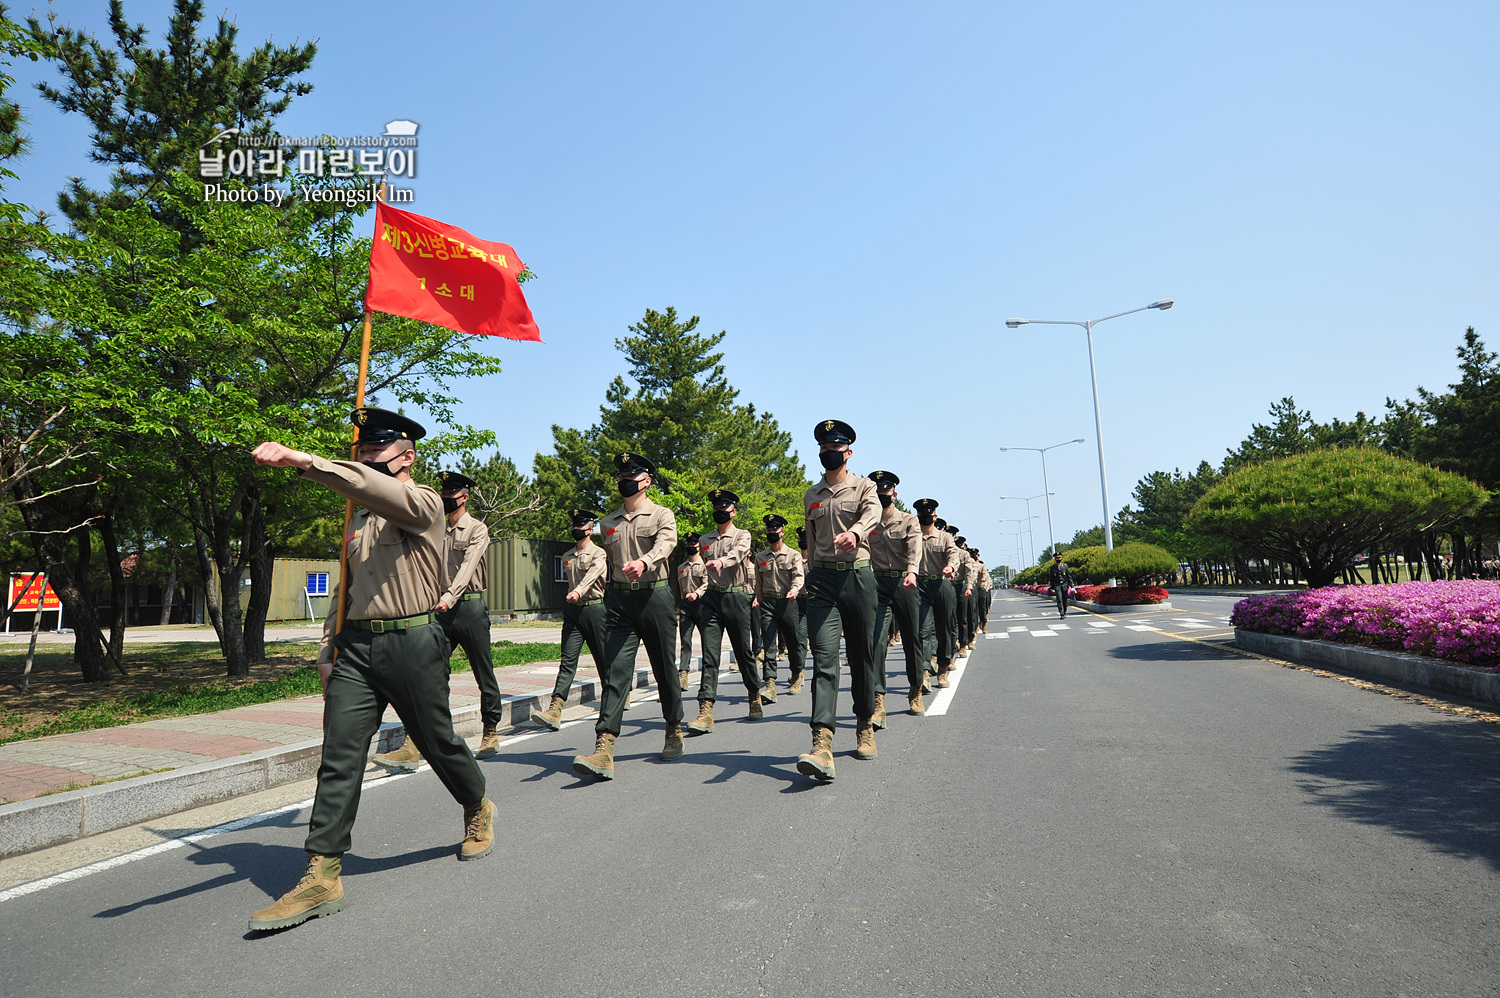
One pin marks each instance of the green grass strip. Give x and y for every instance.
(207, 698)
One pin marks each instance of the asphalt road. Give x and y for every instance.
(1104, 811)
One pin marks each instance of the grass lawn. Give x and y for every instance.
(173, 680)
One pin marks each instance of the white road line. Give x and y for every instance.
(1044, 634)
(1141, 627)
(1022, 627)
(1102, 623)
(944, 697)
(1059, 627)
(997, 637)
(68, 876)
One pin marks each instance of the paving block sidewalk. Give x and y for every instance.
(66, 762)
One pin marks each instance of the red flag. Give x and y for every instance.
(437, 273)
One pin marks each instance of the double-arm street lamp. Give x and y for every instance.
(1019, 524)
(1088, 329)
(1043, 451)
(1027, 501)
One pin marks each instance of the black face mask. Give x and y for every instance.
(832, 460)
(925, 519)
(722, 516)
(629, 487)
(382, 466)
(774, 538)
(450, 503)
(885, 500)
(579, 533)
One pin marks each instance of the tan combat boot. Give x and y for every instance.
(489, 743)
(682, 678)
(915, 700)
(865, 732)
(600, 765)
(320, 892)
(405, 758)
(795, 686)
(552, 716)
(878, 718)
(479, 830)
(819, 762)
(756, 712)
(673, 746)
(704, 722)
(942, 679)
(768, 692)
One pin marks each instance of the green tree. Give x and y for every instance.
(1136, 563)
(681, 413)
(1319, 509)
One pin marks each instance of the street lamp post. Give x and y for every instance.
(1027, 523)
(1027, 501)
(1043, 451)
(1088, 329)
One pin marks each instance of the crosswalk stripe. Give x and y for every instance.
(1044, 634)
(1019, 628)
(991, 637)
(1141, 627)
(1102, 623)
(1059, 627)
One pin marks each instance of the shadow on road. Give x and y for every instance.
(1173, 651)
(271, 868)
(1439, 783)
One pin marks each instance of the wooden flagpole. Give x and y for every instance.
(359, 402)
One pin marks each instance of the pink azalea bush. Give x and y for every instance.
(1108, 595)
(1457, 620)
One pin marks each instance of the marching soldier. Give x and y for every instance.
(983, 593)
(971, 587)
(463, 614)
(1061, 578)
(726, 607)
(841, 511)
(638, 539)
(391, 650)
(960, 615)
(939, 563)
(796, 686)
(692, 583)
(896, 556)
(583, 615)
(779, 580)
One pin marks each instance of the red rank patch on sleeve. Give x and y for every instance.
(814, 506)
(610, 531)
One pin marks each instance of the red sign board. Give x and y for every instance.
(19, 583)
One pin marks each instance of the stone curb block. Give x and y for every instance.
(1371, 663)
(1102, 608)
(40, 822)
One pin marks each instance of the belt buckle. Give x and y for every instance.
(377, 627)
(842, 566)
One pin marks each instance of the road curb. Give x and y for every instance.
(40, 822)
(1392, 666)
(1112, 608)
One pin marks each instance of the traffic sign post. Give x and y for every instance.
(30, 593)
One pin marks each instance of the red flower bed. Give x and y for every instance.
(1121, 595)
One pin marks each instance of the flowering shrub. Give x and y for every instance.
(1121, 595)
(1457, 620)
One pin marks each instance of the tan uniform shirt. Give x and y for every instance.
(896, 544)
(982, 575)
(692, 578)
(467, 558)
(779, 572)
(732, 545)
(938, 552)
(649, 535)
(964, 575)
(395, 544)
(585, 571)
(850, 505)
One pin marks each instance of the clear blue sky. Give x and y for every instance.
(861, 193)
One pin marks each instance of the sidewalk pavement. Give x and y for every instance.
(51, 789)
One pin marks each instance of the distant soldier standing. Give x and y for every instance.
(896, 556)
(463, 614)
(638, 539)
(779, 579)
(1061, 578)
(692, 583)
(585, 568)
(935, 594)
(391, 651)
(841, 509)
(726, 607)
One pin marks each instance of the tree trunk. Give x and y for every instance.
(117, 597)
(211, 601)
(262, 561)
(169, 592)
(68, 581)
(1460, 554)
